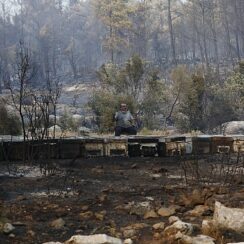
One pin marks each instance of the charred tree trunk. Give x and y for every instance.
(171, 32)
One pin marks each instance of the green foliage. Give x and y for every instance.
(234, 93)
(105, 104)
(192, 103)
(114, 14)
(127, 80)
(9, 124)
(66, 122)
(219, 109)
(153, 101)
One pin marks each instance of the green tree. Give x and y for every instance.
(114, 14)
(153, 101)
(127, 80)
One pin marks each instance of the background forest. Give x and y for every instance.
(176, 63)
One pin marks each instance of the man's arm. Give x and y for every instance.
(116, 116)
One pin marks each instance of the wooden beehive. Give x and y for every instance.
(170, 146)
(70, 149)
(146, 146)
(94, 147)
(222, 144)
(115, 147)
(238, 144)
(201, 145)
(134, 149)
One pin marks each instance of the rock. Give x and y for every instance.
(100, 215)
(173, 219)
(159, 226)
(157, 236)
(31, 233)
(165, 212)
(11, 235)
(150, 214)
(207, 227)
(85, 208)
(197, 197)
(199, 210)
(58, 223)
(233, 128)
(178, 226)
(200, 239)
(8, 228)
(86, 215)
(228, 218)
(132, 230)
(128, 241)
(93, 239)
(127, 233)
(140, 208)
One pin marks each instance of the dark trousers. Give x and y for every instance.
(121, 130)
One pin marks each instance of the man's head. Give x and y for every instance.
(123, 107)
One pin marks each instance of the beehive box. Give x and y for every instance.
(148, 145)
(2, 158)
(70, 149)
(238, 144)
(134, 149)
(115, 147)
(149, 149)
(201, 145)
(94, 147)
(222, 144)
(16, 151)
(170, 146)
(47, 149)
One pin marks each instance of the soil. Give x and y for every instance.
(91, 196)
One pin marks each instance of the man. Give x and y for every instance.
(124, 121)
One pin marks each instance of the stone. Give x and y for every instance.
(127, 233)
(233, 128)
(173, 219)
(58, 223)
(132, 230)
(179, 226)
(157, 236)
(159, 226)
(165, 212)
(207, 227)
(197, 197)
(11, 235)
(228, 218)
(100, 216)
(93, 239)
(140, 208)
(200, 239)
(8, 228)
(150, 214)
(31, 233)
(86, 215)
(199, 210)
(85, 208)
(128, 241)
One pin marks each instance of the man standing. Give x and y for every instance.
(124, 121)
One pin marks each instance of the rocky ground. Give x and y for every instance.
(144, 199)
